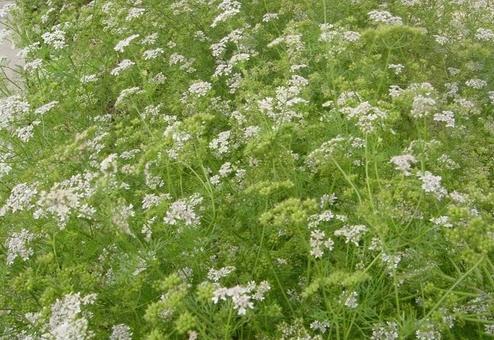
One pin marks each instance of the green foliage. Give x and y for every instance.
(281, 169)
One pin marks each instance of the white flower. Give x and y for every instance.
(397, 68)
(150, 39)
(153, 54)
(318, 242)
(215, 275)
(229, 8)
(120, 46)
(240, 295)
(153, 200)
(269, 17)
(385, 331)
(447, 117)
(352, 233)
(46, 108)
(126, 93)
(384, 17)
(442, 221)
(20, 198)
(391, 261)
(351, 36)
(476, 83)
(109, 164)
(121, 332)
(66, 321)
(221, 144)
(366, 115)
(404, 163)
(484, 34)
(350, 300)
(134, 12)
(427, 332)
(55, 39)
(91, 78)
(11, 108)
(320, 326)
(122, 66)
(200, 88)
(183, 211)
(422, 106)
(25, 133)
(36, 64)
(18, 246)
(432, 184)
(67, 197)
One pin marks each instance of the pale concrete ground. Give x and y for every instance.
(7, 51)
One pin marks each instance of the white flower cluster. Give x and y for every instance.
(18, 246)
(121, 332)
(385, 331)
(25, 133)
(484, 34)
(11, 108)
(270, 17)
(281, 108)
(442, 221)
(200, 88)
(352, 233)
(152, 181)
(366, 116)
(5, 157)
(122, 66)
(46, 108)
(384, 17)
(432, 184)
(224, 171)
(350, 300)
(121, 45)
(185, 63)
(229, 9)
(20, 199)
(66, 321)
(422, 106)
(124, 94)
(404, 163)
(67, 197)
(220, 47)
(216, 275)
(152, 200)
(428, 332)
(319, 242)
(242, 296)
(330, 33)
(396, 68)
(476, 83)
(55, 38)
(325, 216)
(153, 54)
(391, 261)
(321, 326)
(221, 144)
(184, 211)
(447, 117)
(178, 137)
(90, 78)
(134, 12)
(33, 65)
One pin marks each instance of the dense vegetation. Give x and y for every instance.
(283, 169)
